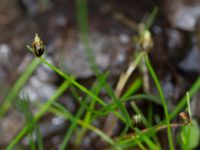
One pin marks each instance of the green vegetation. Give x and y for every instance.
(82, 121)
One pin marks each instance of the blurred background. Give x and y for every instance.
(108, 28)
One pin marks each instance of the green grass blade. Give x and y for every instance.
(95, 89)
(17, 86)
(138, 112)
(163, 100)
(136, 97)
(139, 137)
(71, 128)
(144, 120)
(194, 89)
(149, 142)
(67, 77)
(82, 16)
(88, 116)
(112, 107)
(65, 113)
(137, 84)
(151, 18)
(54, 97)
(38, 115)
(83, 25)
(24, 106)
(39, 137)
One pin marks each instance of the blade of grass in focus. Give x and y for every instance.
(67, 77)
(163, 100)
